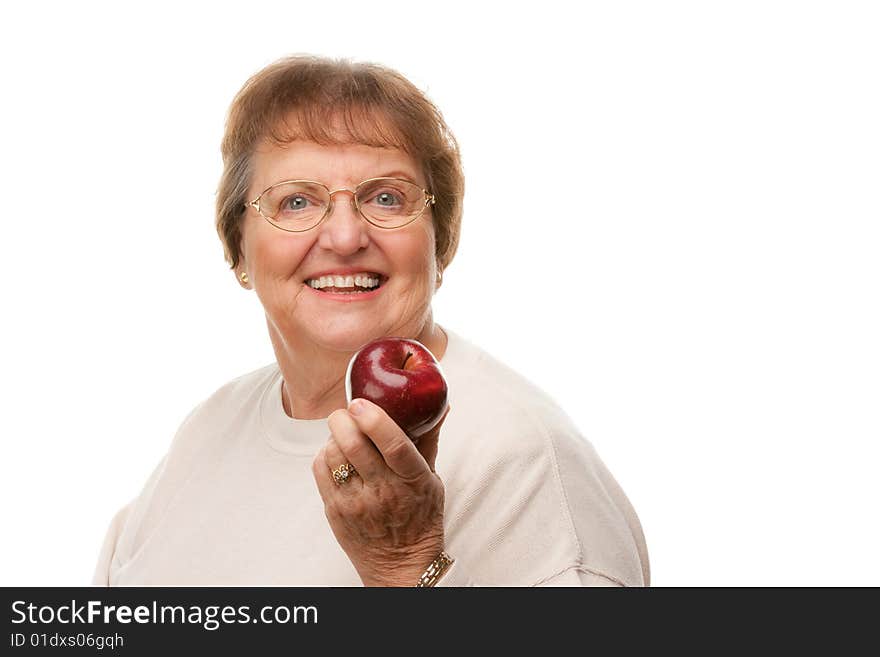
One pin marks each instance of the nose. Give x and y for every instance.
(343, 230)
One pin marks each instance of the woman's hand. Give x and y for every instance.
(388, 518)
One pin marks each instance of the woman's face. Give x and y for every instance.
(282, 266)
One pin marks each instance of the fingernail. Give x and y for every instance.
(356, 407)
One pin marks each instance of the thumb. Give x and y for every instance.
(427, 443)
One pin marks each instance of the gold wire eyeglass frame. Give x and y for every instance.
(255, 204)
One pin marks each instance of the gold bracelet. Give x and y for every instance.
(435, 570)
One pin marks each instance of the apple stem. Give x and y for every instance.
(403, 365)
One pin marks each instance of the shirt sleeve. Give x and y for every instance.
(108, 549)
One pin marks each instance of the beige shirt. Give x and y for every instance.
(528, 501)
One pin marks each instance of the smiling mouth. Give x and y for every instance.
(350, 284)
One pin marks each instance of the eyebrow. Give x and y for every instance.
(396, 173)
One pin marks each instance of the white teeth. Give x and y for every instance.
(358, 280)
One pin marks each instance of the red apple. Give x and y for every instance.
(403, 378)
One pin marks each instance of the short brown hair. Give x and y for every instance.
(338, 101)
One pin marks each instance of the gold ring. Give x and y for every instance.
(343, 473)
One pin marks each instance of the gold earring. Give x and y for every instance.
(244, 278)
(439, 276)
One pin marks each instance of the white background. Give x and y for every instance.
(671, 225)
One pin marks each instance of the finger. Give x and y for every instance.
(428, 443)
(333, 459)
(356, 446)
(323, 478)
(396, 448)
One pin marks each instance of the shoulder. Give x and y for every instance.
(226, 415)
(515, 455)
(228, 403)
(239, 391)
(215, 421)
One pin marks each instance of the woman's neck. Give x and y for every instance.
(314, 378)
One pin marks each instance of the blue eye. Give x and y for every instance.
(294, 203)
(387, 199)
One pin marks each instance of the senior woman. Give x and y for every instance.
(340, 207)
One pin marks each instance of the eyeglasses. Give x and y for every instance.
(300, 205)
